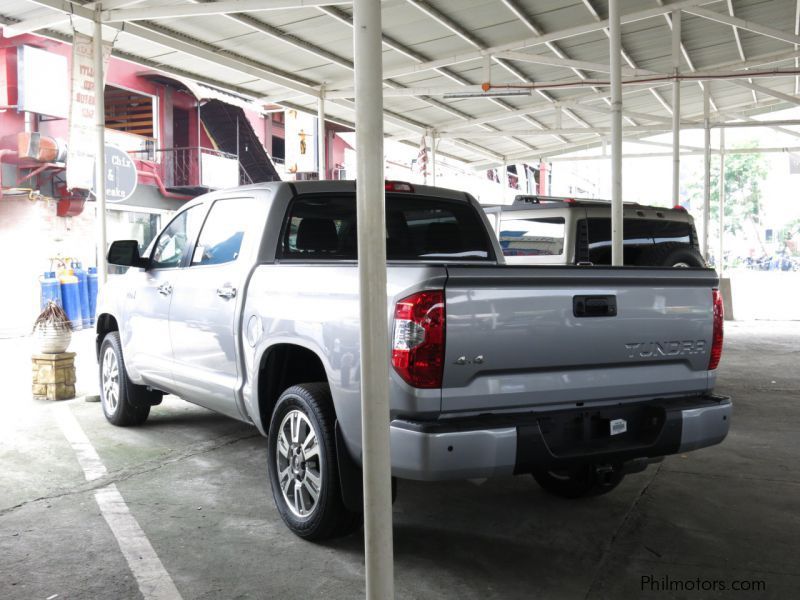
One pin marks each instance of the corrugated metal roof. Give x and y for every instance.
(273, 55)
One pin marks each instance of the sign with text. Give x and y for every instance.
(82, 137)
(121, 176)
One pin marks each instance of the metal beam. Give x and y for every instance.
(676, 107)
(343, 17)
(653, 130)
(536, 40)
(721, 247)
(706, 172)
(43, 19)
(371, 219)
(768, 91)
(615, 51)
(194, 48)
(219, 7)
(738, 39)
(540, 59)
(626, 57)
(696, 152)
(100, 153)
(743, 24)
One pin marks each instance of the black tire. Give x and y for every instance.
(671, 254)
(328, 517)
(124, 403)
(580, 482)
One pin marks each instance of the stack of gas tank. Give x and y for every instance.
(74, 289)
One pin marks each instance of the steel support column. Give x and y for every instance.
(676, 107)
(322, 156)
(706, 169)
(615, 59)
(100, 158)
(371, 218)
(433, 157)
(720, 259)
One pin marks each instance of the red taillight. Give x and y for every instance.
(398, 186)
(716, 342)
(679, 207)
(418, 339)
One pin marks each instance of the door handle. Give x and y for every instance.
(165, 289)
(226, 292)
(594, 306)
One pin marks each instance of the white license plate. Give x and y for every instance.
(618, 426)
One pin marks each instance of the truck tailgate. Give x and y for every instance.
(539, 336)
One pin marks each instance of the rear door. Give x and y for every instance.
(536, 336)
(205, 304)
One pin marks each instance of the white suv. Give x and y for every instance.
(544, 230)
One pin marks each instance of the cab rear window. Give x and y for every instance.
(532, 237)
(417, 228)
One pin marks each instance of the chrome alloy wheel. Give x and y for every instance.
(298, 463)
(110, 380)
(681, 265)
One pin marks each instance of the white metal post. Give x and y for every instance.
(706, 168)
(100, 158)
(505, 183)
(720, 260)
(433, 157)
(322, 157)
(371, 219)
(676, 107)
(615, 50)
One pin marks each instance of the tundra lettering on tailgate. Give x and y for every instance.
(674, 348)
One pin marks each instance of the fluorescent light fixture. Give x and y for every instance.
(490, 93)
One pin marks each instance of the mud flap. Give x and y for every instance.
(351, 479)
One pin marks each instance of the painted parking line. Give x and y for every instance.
(151, 576)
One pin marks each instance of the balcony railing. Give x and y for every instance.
(196, 167)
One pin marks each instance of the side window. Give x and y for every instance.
(532, 237)
(173, 243)
(222, 234)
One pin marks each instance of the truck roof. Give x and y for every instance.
(349, 186)
(538, 202)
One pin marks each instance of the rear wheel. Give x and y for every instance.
(671, 255)
(580, 482)
(124, 403)
(302, 463)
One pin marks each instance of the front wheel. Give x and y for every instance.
(124, 403)
(302, 464)
(580, 482)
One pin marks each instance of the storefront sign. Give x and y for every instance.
(42, 80)
(121, 176)
(82, 140)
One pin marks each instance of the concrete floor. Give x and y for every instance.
(196, 484)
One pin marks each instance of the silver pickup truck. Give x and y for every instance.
(247, 304)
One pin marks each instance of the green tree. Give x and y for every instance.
(744, 178)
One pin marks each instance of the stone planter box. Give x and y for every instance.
(54, 376)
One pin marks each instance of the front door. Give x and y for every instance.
(206, 300)
(148, 345)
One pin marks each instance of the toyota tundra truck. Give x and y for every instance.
(247, 304)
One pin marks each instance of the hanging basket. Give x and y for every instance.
(52, 330)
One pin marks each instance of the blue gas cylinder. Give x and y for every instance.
(71, 298)
(51, 289)
(91, 279)
(83, 288)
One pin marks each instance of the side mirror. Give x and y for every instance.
(125, 253)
